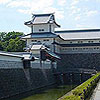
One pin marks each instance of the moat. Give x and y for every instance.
(51, 94)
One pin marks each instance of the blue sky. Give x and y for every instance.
(70, 14)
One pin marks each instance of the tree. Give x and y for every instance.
(20, 44)
(15, 45)
(2, 35)
(11, 46)
(12, 35)
(1, 48)
(11, 42)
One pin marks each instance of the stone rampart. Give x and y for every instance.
(15, 79)
(80, 60)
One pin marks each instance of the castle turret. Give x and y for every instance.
(41, 23)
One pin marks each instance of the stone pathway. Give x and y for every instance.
(97, 93)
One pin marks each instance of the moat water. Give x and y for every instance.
(51, 94)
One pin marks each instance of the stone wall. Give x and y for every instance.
(79, 61)
(71, 78)
(14, 79)
(17, 81)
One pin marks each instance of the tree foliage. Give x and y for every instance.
(11, 41)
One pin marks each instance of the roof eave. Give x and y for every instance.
(78, 39)
(56, 24)
(81, 30)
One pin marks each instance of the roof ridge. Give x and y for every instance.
(43, 14)
(80, 30)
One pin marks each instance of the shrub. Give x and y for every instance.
(82, 91)
(72, 97)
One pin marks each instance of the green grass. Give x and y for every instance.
(84, 90)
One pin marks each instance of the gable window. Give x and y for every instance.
(41, 30)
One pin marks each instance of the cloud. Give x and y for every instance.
(98, 0)
(77, 18)
(85, 15)
(85, 26)
(21, 3)
(25, 11)
(61, 2)
(75, 10)
(75, 2)
(5, 1)
(58, 13)
(91, 13)
(83, 12)
(48, 6)
(37, 6)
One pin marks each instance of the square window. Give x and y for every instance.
(41, 30)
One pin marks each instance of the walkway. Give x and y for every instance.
(97, 93)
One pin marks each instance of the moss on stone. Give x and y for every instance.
(82, 91)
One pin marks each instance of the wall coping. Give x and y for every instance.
(11, 55)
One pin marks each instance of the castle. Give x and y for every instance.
(52, 57)
(76, 48)
(61, 42)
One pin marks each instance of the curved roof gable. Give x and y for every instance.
(42, 19)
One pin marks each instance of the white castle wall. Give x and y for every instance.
(46, 41)
(37, 27)
(10, 61)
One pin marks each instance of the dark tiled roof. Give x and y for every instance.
(79, 34)
(40, 35)
(42, 19)
(72, 31)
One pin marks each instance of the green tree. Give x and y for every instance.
(20, 44)
(1, 48)
(15, 45)
(11, 46)
(2, 35)
(11, 41)
(12, 35)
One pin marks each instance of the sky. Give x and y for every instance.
(70, 14)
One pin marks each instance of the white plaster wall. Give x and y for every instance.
(52, 28)
(45, 64)
(85, 49)
(76, 41)
(7, 62)
(57, 49)
(35, 64)
(37, 27)
(29, 41)
(10, 64)
(9, 58)
(35, 52)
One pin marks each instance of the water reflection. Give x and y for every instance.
(51, 94)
